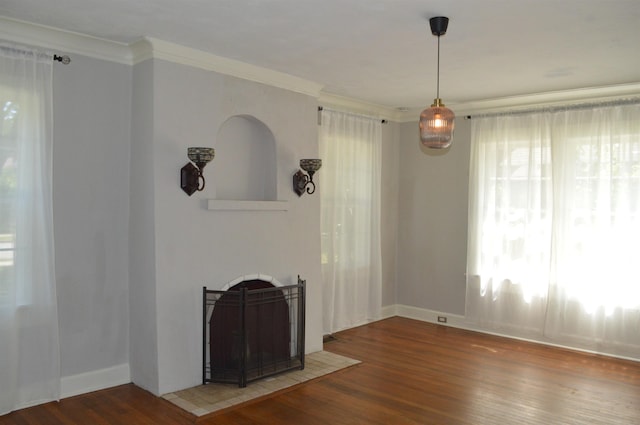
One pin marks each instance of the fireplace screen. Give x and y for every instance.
(252, 330)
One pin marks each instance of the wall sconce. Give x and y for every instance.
(301, 181)
(191, 175)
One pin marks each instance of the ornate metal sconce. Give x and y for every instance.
(303, 182)
(191, 175)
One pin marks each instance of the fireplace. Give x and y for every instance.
(252, 330)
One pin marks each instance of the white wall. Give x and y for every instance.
(143, 357)
(132, 250)
(195, 247)
(92, 116)
(432, 221)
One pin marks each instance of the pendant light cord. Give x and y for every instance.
(438, 73)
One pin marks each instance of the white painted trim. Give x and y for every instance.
(256, 276)
(63, 41)
(431, 316)
(141, 50)
(388, 311)
(158, 49)
(458, 321)
(548, 99)
(95, 380)
(359, 107)
(536, 100)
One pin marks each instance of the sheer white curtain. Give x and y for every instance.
(510, 209)
(554, 226)
(29, 351)
(350, 148)
(595, 286)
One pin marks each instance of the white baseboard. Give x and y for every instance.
(430, 316)
(389, 311)
(94, 380)
(458, 321)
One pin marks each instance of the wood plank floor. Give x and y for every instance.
(412, 373)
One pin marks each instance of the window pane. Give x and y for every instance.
(8, 175)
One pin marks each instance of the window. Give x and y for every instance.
(28, 311)
(26, 217)
(350, 148)
(8, 190)
(554, 223)
(598, 220)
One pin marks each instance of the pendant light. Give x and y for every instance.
(437, 122)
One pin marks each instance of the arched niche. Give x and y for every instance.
(245, 164)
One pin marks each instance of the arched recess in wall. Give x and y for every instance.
(245, 165)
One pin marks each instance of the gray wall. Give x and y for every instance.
(128, 282)
(133, 251)
(92, 116)
(389, 210)
(143, 359)
(432, 221)
(125, 234)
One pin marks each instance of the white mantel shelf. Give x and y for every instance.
(228, 205)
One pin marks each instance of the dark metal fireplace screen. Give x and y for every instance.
(251, 331)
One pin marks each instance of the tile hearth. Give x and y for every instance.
(205, 399)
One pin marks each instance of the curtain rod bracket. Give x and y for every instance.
(66, 60)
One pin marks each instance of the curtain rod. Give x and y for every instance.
(66, 60)
(11, 47)
(569, 107)
(321, 108)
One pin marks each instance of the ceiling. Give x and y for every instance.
(382, 52)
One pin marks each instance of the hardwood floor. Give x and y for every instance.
(411, 373)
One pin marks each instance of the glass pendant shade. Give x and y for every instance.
(436, 126)
(437, 122)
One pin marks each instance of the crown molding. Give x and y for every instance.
(537, 100)
(548, 99)
(63, 41)
(359, 107)
(148, 48)
(129, 54)
(487, 106)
